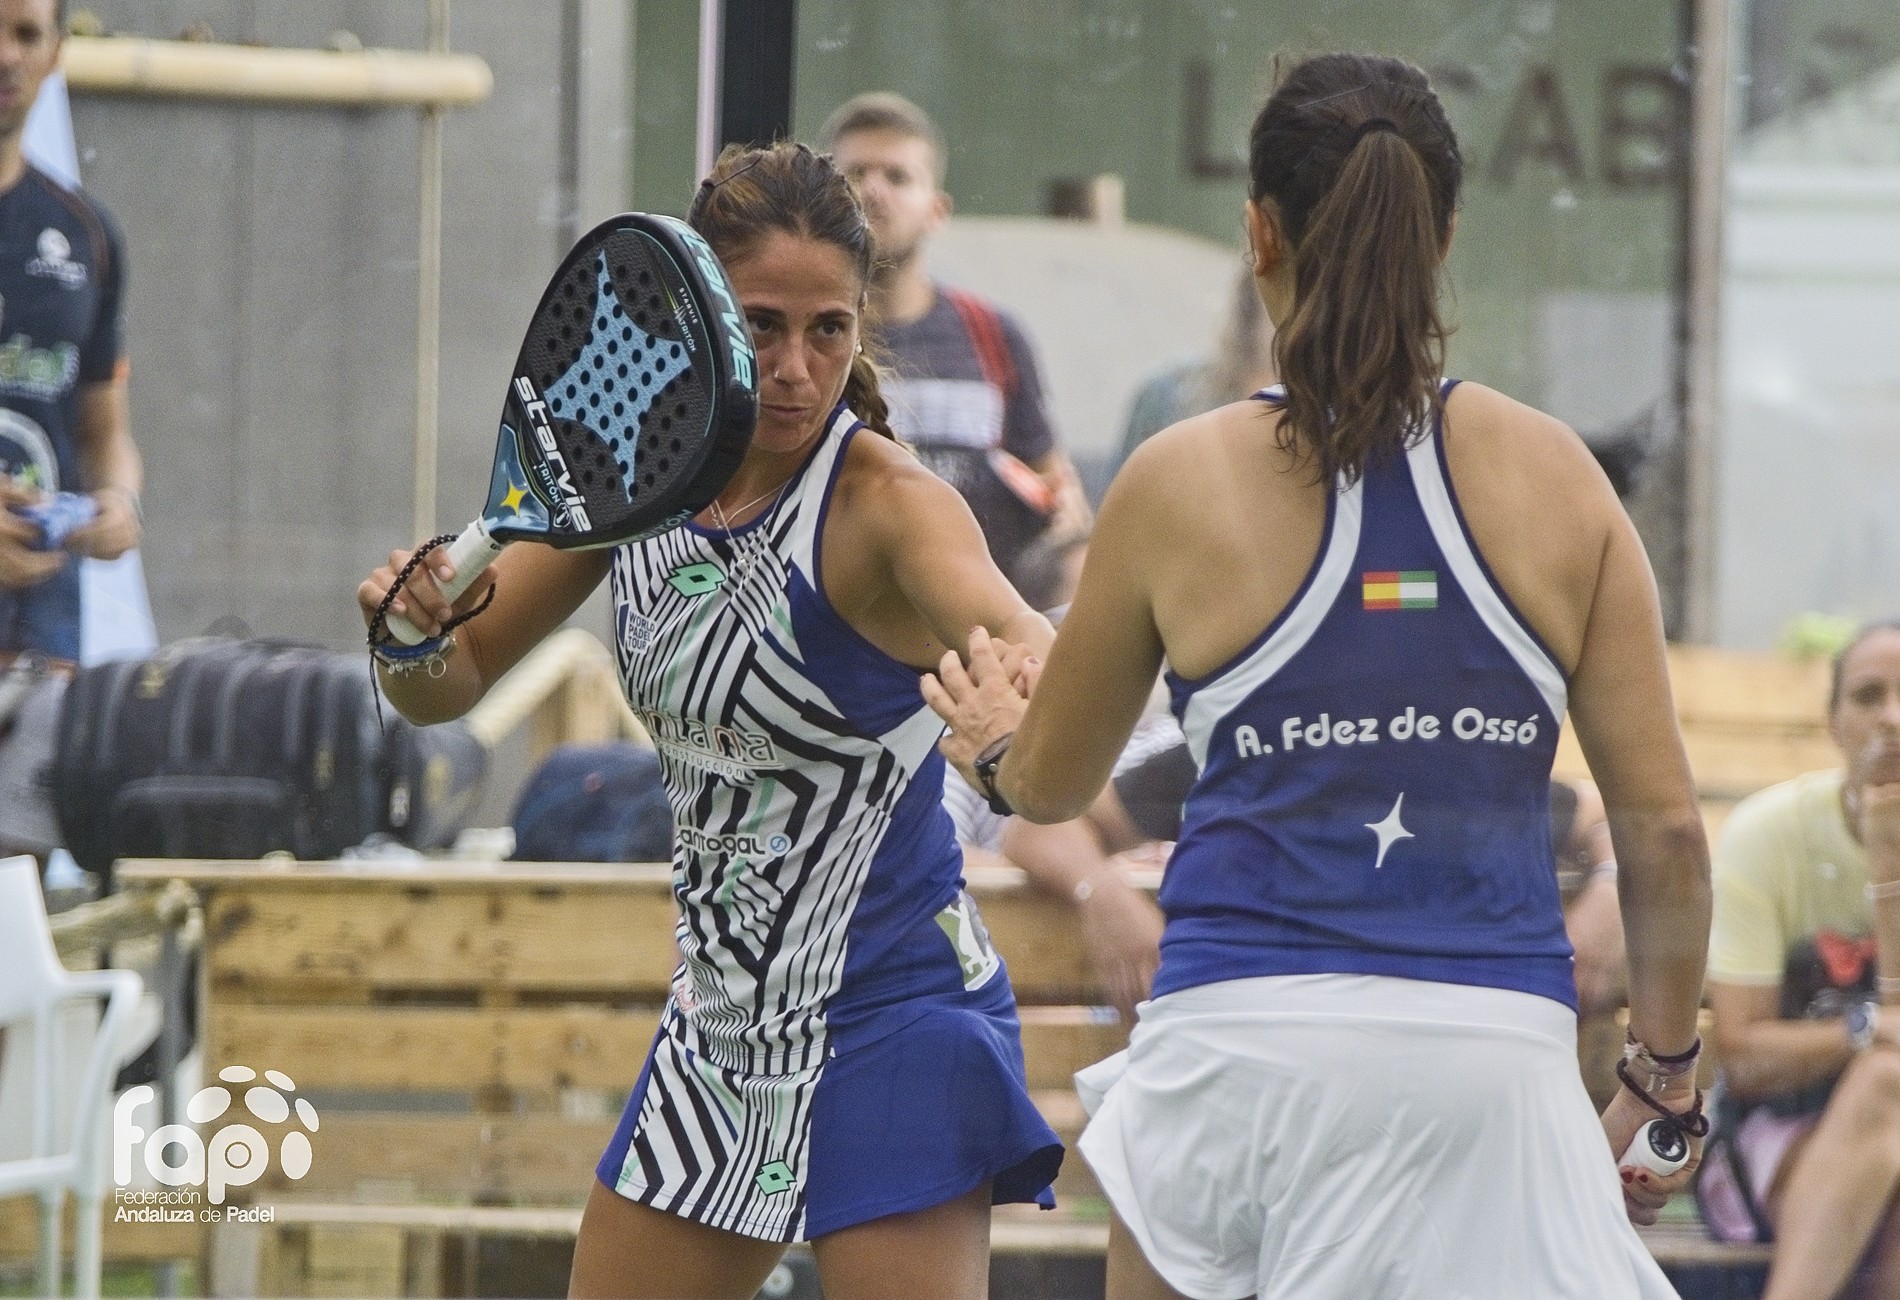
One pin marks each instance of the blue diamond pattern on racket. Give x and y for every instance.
(618, 375)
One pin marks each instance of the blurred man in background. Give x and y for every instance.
(966, 391)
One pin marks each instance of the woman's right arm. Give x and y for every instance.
(1624, 714)
(536, 588)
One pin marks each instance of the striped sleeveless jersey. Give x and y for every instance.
(818, 877)
(1373, 794)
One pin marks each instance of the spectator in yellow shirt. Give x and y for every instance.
(1804, 952)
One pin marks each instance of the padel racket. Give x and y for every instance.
(632, 402)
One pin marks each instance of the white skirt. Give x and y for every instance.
(1365, 1138)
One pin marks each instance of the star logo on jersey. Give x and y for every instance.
(776, 1177)
(1390, 831)
(695, 580)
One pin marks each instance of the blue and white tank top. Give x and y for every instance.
(817, 875)
(1373, 794)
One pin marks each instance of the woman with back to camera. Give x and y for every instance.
(840, 1061)
(1376, 593)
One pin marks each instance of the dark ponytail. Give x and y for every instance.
(788, 188)
(864, 396)
(1354, 157)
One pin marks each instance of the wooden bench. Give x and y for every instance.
(1748, 720)
(468, 1031)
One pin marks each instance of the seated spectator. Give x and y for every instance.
(1807, 892)
(1586, 881)
(1087, 862)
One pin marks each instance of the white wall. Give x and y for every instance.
(1106, 307)
(1808, 501)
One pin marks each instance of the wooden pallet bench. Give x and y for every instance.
(1748, 720)
(468, 1031)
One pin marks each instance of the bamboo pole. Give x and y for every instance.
(429, 293)
(1708, 201)
(122, 65)
(706, 133)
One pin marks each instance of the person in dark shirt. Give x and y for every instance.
(965, 390)
(64, 426)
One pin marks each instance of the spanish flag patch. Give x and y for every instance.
(1402, 589)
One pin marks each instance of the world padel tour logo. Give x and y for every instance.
(237, 1154)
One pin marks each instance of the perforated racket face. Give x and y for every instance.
(632, 401)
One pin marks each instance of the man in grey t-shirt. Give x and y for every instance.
(965, 390)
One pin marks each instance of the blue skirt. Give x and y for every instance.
(912, 1116)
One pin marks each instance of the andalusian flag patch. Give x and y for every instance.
(1402, 589)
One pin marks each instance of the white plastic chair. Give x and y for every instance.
(33, 988)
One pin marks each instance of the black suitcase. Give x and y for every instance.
(234, 749)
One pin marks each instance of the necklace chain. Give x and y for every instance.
(724, 520)
(749, 550)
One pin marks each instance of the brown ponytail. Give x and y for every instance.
(864, 396)
(1354, 157)
(788, 188)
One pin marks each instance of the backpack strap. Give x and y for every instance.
(985, 329)
(1724, 1144)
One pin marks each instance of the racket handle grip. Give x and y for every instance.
(470, 553)
(1658, 1147)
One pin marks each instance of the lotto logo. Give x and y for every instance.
(237, 1154)
(776, 1177)
(695, 580)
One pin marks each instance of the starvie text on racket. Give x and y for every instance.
(737, 335)
(552, 467)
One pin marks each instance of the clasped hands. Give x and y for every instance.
(983, 701)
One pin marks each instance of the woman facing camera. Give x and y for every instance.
(840, 1061)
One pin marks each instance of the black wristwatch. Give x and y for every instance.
(986, 764)
(1863, 1019)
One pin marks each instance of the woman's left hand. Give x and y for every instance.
(984, 702)
(1644, 1192)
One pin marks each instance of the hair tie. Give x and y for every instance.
(1373, 125)
(709, 184)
